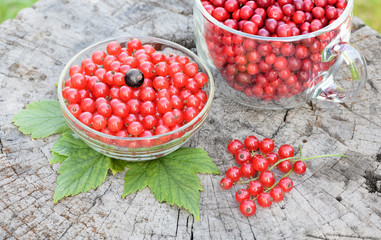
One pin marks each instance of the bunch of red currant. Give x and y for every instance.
(271, 70)
(135, 91)
(257, 166)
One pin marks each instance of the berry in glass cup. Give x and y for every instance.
(271, 71)
(131, 90)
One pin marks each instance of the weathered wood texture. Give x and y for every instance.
(335, 199)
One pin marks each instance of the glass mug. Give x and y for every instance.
(300, 68)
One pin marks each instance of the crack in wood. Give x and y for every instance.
(372, 85)
(373, 181)
(177, 221)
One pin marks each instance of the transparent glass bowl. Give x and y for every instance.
(137, 148)
(305, 67)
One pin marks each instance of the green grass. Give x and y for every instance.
(10, 8)
(368, 10)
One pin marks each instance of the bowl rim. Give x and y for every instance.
(176, 46)
(330, 27)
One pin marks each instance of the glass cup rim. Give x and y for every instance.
(327, 28)
(176, 46)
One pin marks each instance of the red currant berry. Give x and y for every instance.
(285, 184)
(86, 118)
(247, 170)
(234, 174)
(267, 178)
(99, 122)
(276, 194)
(284, 166)
(266, 145)
(75, 110)
(234, 146)
(264, 200)
(190, 114)
(242, 156)
(135, 128)
(114, 48)
(104, 109)
(115, 123)
(251, 143)
(285, 151)
(241, 195)
(75, 69)
(299, 167)
(260, 163)
(255, 188)
(247, 208)
(226, 183)
(272, 158)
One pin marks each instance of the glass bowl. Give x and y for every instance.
(137, 148)
(281, 72)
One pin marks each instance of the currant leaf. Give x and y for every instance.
(172, 178)
(57, 158)
(68, 143)
(118, 165)
(41, 119)
(83, 170)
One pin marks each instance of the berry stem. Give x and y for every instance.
(294, 159)
(300, 151)
(248, 181)
(285, 175)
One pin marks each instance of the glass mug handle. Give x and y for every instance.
(330, 90)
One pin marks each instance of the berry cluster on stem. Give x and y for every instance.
(256, 160)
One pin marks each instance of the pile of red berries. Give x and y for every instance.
(135, 91)
(275, 18)
(271, 70)
(256, 160)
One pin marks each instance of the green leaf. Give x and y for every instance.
(172, 178)
(57, 158)
(83, 170)
(195, 158)
(68, 143)
(118, 165)
(41, 119)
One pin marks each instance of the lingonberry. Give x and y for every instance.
(247, 208)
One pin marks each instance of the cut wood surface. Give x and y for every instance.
(337, 198)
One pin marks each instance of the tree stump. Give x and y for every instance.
(337, 198)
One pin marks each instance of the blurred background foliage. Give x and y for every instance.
(368, 10)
